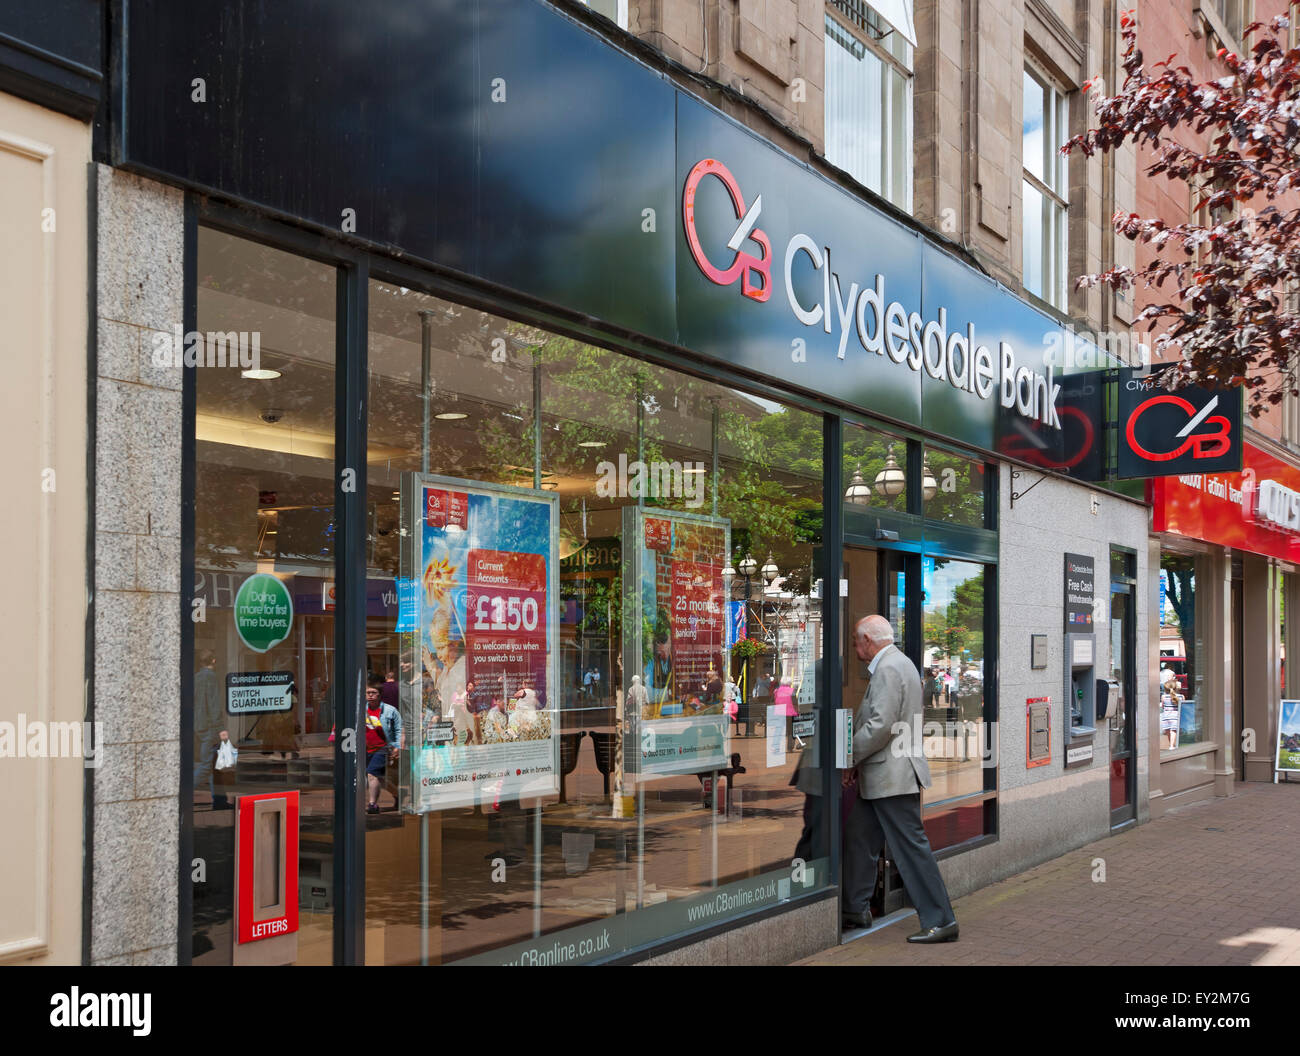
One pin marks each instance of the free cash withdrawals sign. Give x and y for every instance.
(485, 705)
(678, 639)
(1078, 588)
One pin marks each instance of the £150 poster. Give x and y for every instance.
(485, 695)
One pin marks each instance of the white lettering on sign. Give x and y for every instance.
(266, 928)
(1278, 505)
(886, 327)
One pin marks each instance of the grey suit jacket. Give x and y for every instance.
(894, 696)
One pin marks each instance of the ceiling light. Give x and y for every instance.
(451, 416)
(261, 374)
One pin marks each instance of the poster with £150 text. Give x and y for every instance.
(482, 708)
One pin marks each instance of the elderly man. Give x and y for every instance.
(890, 772)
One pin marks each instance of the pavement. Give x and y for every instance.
(1211, 883)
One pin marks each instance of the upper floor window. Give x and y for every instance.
(1046, 191)
(869, 94)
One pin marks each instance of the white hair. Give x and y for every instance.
(876, 629)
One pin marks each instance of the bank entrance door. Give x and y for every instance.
(876, 584)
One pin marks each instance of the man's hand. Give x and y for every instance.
(848, 778)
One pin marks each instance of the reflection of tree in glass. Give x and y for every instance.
(959, 489)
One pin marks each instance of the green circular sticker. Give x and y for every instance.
(263, 612)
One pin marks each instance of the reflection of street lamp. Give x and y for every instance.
(770, 571)
(891, 481)
(858, 494)
(929, 486)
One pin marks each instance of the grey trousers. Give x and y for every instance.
(896, 820)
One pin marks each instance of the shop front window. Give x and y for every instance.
(875, 476)
(625, 743)
(264, 574)
(1182, 663)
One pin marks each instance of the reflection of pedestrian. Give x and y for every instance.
(887, 807)
(209, 720)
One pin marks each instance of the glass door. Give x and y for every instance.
(1122, 760)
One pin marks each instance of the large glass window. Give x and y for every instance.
(1182, 660)
(263, 529)
(1045, 192)
(683, 711)
(869, 99)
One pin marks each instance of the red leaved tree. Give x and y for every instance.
(1234, 318)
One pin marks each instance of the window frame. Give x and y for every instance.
(1054, 247)
(896, 144)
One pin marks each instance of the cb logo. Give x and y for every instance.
(1202, 445)
(745, 266)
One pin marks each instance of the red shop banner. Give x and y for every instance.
(1256, 510)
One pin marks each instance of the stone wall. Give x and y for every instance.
(137, 573)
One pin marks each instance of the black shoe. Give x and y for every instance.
(939, 933)
(372, 808)
(855, 921)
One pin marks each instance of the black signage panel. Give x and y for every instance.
(1079, 593)
(1165, 432)
(494, 137)
(505, 141)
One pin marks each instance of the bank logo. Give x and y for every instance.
(1211, 444)
(744, 266)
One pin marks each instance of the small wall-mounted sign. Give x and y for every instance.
(1079, 755)
(1037, 652)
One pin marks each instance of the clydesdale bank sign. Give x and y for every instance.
(858, 313)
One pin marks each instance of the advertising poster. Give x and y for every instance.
(485, 563)
(1288, 737)
(677, 639)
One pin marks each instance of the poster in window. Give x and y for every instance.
(480, 706)
(676, 639)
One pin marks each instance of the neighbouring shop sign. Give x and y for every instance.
(1163, 432)
(483, 707)
(677, 639)
(1079, 579)
(263, 612)
(1288, 738)
(1252, 510)
(256, 692)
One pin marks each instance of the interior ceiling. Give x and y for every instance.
(290, 302)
